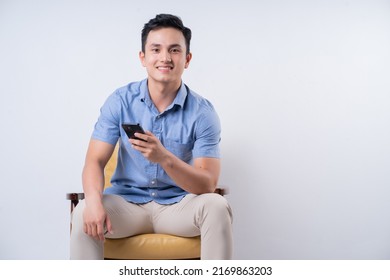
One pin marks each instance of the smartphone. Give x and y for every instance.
(130, 129)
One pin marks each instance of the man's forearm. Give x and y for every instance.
(93, 173)
(93, 182)
(190, 178)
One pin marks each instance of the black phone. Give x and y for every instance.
(130, 129)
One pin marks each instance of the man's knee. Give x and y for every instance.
(217, 206)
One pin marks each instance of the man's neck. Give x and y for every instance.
(162, 95)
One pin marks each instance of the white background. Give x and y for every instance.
(302, 89)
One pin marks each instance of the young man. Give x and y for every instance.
(164, 181)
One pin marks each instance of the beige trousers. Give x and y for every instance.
(208, 215)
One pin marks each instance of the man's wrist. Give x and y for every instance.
(168, 161)
(93, 197)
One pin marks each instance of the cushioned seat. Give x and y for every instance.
(153, 246)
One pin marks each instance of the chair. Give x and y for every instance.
(151, 246)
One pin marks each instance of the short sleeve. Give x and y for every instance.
(208, 135)
(107, 127)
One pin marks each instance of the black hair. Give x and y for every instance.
(165, 20)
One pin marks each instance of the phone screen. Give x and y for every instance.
(130, 129)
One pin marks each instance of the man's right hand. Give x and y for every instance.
(96, 221)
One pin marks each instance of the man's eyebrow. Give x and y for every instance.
(155, 45)
(175, 46)
(170, 46)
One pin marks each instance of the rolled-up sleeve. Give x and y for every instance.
(107, 126)
(208, 135)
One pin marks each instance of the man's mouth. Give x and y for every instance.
(164, 67)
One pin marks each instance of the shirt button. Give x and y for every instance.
(153, 182)
(153, 194)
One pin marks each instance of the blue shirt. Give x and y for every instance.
(189, 128)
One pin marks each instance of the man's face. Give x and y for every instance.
(165, 55)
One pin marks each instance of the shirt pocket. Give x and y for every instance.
(181, 150)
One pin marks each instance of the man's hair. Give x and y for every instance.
(164, 21)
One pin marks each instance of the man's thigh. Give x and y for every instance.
(183, 218)
(127, 218)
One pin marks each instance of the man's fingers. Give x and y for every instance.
(100, 232)
(94, 230)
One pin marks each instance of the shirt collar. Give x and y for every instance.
(181, 96)
(179, 99)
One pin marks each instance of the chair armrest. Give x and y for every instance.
(74, 199)
(75, 196)
(222, 190)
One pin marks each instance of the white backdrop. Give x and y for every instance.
(302, 89)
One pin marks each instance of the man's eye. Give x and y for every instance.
(155, 50)
(175, 50)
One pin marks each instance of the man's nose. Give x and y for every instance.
(165, 56)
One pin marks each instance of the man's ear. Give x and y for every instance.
(188, 59)
(142, 58)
